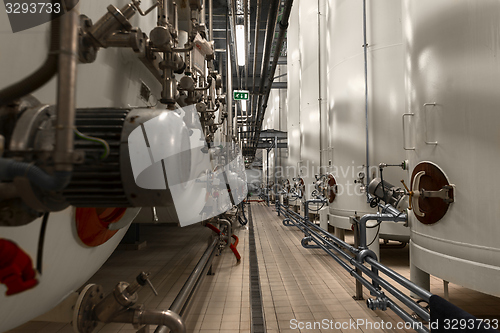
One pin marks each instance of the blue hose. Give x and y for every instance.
(10, 169)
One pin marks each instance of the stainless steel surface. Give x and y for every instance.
(453, 67)
(66, 91)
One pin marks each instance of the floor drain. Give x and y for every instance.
(258, 324)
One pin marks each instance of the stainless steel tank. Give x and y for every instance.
(350, 133)
(452, 79)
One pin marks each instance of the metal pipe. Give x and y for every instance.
(210, 20)
(191, 284)
(395, 292)
(256, 45)
(373, 274)
(229, 80)
(245, 25)
(320, 99)
(140, 317)
(378, 217)
(365, 46)
(66, 89)
(419, 291)
(42, 75)
(163, 13)
(416, 325)
(283, 24)
(268, 42)
(229, 229)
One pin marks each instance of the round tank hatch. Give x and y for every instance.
(432, 186)
(332, 188)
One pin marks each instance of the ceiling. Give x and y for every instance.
(222, 10)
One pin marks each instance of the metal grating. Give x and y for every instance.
(258, 324)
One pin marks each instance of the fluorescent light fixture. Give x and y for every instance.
(240, 44)
(243, 106)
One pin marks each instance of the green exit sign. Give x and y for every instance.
(241, 95)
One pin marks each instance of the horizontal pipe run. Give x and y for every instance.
(395, 292)
(416, 325)
(392, 290)
(323, 244)
(419, 291)
(191, 283)
(199, 282)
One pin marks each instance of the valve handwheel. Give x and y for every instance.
(427, 182)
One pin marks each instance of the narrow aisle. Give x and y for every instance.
(299, 289)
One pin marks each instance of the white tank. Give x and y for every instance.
(293, 96)
(113, 80)
(453, 74)
(346, 104)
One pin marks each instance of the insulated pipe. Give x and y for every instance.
(283, 24)
(140, 317)
(256, 45)
(10, 169)
(268, 43)
(180, 302)
(42, 75)
(66, 89)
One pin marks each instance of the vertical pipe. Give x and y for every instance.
(66, 90)
(365, 51)
(319, 92)
(275, 165)
(359, 285)
(229, 100)
(245, 24)
(211, 20)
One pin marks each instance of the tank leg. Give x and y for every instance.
(420, 278)
(340, 233)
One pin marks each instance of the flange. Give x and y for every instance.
(83, 320)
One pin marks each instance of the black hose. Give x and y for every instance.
(41, 76)
(41, 240)
(10, 169)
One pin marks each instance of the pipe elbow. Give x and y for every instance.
(167, 318)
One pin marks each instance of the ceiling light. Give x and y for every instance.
(240, 45)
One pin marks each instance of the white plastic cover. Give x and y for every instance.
(204, 182)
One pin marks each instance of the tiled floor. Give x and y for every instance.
(298, 285)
